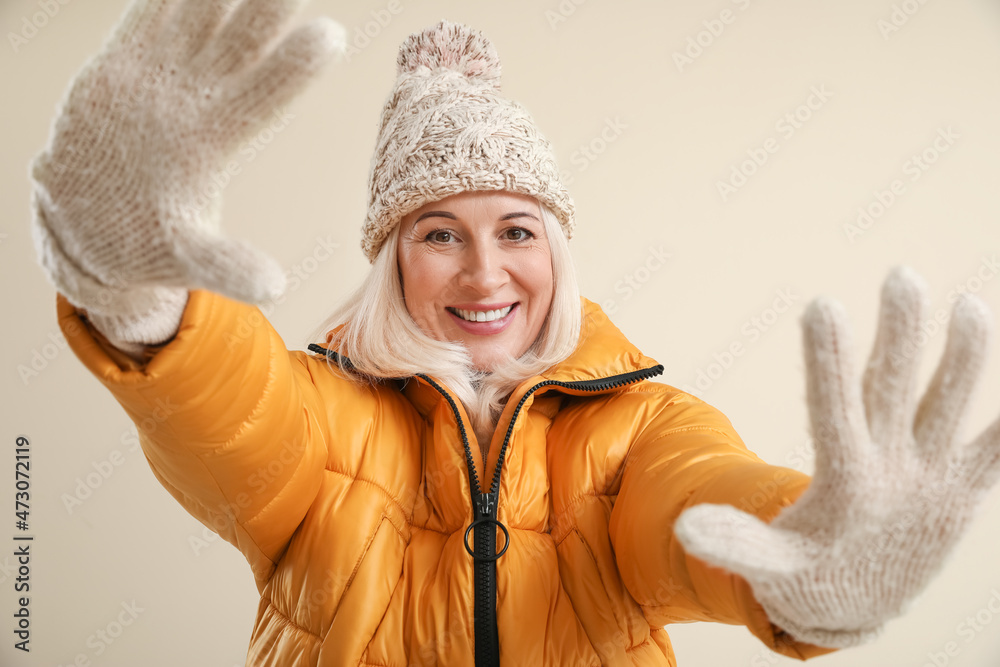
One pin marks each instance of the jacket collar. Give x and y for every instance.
(602, 352)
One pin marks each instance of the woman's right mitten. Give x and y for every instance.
(125, 197)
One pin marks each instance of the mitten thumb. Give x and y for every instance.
(229, 267)
(729, 538)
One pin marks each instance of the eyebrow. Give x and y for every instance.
(448, 214)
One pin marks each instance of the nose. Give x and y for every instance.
(483, 269)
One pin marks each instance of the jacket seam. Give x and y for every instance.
(683, 429)
(303, 361)
(357, 478)
(577, 500)
(657, 388)
(270, 502)
(395, 502)
(622, 628)
(361, 559)
(382, 617)
(289, 621)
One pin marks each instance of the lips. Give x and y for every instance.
(482, 315)
(484, 320)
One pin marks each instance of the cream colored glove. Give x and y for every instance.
(126, 211)
(893, 490)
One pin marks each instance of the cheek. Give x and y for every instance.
(422, 290)
(540, 278)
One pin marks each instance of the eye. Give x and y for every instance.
(518, 234)
(438, 236)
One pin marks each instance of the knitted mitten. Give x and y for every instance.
(126, 194)
(893, 491)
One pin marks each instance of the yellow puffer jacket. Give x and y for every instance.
(351, 502)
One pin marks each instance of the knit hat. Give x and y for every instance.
(446, 129)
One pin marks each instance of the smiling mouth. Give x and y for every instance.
(481, 315)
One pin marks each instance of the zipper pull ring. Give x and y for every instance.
(486, 506)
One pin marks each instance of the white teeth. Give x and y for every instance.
(482, 315)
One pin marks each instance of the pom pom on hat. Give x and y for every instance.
(454, 46)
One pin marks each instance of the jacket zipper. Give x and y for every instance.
(487, 642)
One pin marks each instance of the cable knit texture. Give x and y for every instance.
(126, 209)
(446, 129)
(893, 490)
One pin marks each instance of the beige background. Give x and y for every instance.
(653, 183)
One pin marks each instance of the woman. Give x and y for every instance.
(475, 465)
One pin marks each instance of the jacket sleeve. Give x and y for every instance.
(231, 423)
(688, 454)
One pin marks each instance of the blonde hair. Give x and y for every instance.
(382, 341)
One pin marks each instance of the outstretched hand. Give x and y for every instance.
(894, 489)
(126, 206)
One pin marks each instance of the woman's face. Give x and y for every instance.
(476, 269)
